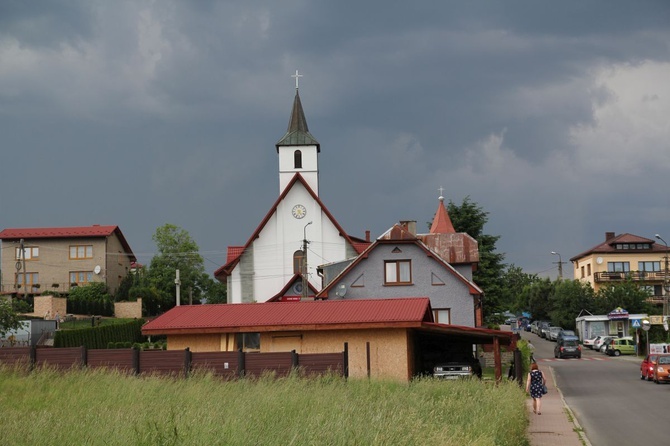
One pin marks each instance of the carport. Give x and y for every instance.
(433, 343)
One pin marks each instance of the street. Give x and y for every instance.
(611, 403)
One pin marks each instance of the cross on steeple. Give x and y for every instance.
(297, 77)
(441, 197)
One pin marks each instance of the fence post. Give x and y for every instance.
(345, 365)
(240, 363)
(136, 360)
(188, 358)
(84, 356)
(33, 357)
(518, 367)
(367, 357)
(295, 362)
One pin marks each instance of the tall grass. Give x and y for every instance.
(47, 407)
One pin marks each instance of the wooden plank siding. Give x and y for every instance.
(223, 364)
(122, 359)
(60, 358)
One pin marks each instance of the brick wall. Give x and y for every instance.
(50, 304)
(128, 309)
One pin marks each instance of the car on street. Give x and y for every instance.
(647, 367)
(590, 342)
(543, 330)
(620, 346)
(662, 369)
(565, 333)
(600, 342)
(553, 333)
(568, 348)
(511, 321)
(534, 326)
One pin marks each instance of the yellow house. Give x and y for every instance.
(625, 257)
(35, 260)
(385, 338)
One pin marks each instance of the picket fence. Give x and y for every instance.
(228, 365)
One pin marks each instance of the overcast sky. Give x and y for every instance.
(553, 116)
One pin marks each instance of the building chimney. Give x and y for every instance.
(367, 235)
(409, 226)
(609, 236)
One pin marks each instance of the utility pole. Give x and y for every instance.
(25, 276)
(560, 264)
(666, 280)
(305, 282)
(177, 284)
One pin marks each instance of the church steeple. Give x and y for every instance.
(298, 150)
(297, 133)
(442, 223)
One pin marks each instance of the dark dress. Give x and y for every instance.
(536, 383)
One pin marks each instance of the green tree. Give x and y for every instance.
(470, 218)
(215, 292)
(627, 295)
(538, 296)
(568, 300)
(9, 319)
(176, 251)
(513, 283)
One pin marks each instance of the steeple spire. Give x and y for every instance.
(297, 133)
(442, 223)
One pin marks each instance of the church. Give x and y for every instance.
(298, 233)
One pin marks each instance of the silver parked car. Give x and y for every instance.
(553, 333)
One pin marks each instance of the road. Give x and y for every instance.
(607, 396)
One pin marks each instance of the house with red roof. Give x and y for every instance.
(39, 259)
(384, 338)
(402, 263)
(298, 233)
(625, 257)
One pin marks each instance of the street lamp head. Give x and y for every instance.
(555, 253)
(658, 236)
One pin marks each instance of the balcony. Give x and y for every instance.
(637, 276)
(35, 288)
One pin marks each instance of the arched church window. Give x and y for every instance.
(297, 159)
(298, 259)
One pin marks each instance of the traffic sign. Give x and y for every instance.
(635, 323)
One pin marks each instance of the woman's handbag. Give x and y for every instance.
(544, 389)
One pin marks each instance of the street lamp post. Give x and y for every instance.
(666, 280)
(560, 264)
(305, 282)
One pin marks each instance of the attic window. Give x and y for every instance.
(398, 272)
(297, 159)
(632, 246)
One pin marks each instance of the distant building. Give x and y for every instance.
(624, 257)
(59, 258)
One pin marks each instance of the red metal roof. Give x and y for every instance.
(273, 316)
(69, 232)
(442, 223)
(77, 231)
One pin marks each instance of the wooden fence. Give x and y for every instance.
(228, 365)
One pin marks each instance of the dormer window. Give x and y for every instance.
(632, 246)
(297, 159)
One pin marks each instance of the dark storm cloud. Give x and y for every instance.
(142, 113)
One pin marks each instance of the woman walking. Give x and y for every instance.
(535, 383)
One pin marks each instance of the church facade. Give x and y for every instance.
(279, 260)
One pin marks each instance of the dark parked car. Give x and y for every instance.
(565, 333)
(568, 348)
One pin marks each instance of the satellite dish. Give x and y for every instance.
(97, 269)
(341, 290)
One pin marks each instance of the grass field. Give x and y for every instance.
(47, 407)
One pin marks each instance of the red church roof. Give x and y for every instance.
(442, 223)
(282, 316)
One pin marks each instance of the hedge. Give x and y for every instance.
(100, 337)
